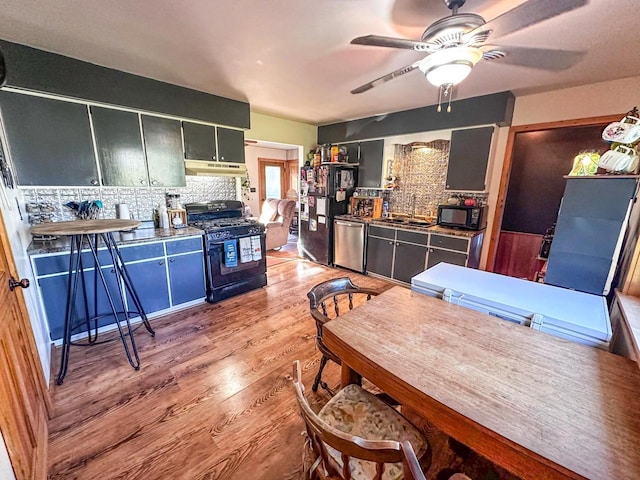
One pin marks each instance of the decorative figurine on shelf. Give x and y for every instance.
(624, 137)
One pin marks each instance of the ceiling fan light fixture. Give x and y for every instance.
(449, 73)
(450, 66)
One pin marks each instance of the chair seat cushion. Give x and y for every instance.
(357, 412)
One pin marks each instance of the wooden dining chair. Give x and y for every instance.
(325, 302)
(357, 436)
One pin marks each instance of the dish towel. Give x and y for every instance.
(256, 249)
(230, 253)
(245, 250)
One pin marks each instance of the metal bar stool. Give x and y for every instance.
(92, 234)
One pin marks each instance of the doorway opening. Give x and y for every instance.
(274, 170)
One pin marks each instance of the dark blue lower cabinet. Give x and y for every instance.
(54, 296)
(150, 282)
(186, 274)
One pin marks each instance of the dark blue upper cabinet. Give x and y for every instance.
(371, 159)
(230, 145)
(119, 147)
(199, 141)
(49, 141)
(163, 143)
(468, 159)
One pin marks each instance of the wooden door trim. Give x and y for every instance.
(262, 162)
(494, 237)
(36, 369)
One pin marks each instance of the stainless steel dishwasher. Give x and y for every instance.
(349, 244)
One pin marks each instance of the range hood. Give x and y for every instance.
(215, 169)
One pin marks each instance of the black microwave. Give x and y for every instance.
(461, 216)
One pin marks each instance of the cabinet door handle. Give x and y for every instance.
(431, 250)
(172, 260)
(143, 182)
(154, 182)
(390, 243)
(113, 271)
(213, 158)
(221, 158)
(160, 262)
(94, 182)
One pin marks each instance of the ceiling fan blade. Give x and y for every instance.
(525, 15)
(540, 58)
(380, 41)
(386, 78)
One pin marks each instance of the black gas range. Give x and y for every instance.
(234, 248)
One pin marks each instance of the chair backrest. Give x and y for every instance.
(286, 208)
(321, 435)
(326, 299)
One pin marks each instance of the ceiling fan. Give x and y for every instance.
(455, 44)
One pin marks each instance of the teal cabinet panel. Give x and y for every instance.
(379, 256)
(142, 252)
(186, 277)
(199, 141)
(163, 144)
(468, 159)
(149, 279)
(230, 145)
(409, 260)
(370, 163)
(119, 147)
(437, 256)
(184, 246)
(49, 141)
(54, 297)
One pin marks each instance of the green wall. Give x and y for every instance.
(279, 130)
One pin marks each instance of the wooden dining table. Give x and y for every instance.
(540, 406)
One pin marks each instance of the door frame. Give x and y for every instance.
(505, 176)
(284, 176)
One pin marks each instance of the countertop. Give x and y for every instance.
(140, 235)
(419, 228)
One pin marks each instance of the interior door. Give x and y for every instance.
(23, 395)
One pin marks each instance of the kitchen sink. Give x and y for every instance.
(406, 221)
(421, 223)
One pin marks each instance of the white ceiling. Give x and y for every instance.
(292, 58)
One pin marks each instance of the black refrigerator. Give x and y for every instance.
(325, 192)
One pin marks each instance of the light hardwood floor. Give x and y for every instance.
(212, 399)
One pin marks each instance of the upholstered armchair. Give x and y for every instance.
(276, 216)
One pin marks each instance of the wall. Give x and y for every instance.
(251, 155)
(594, 100)
(279, 130)
(6, 470)
(604, 98)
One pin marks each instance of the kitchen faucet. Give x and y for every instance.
(412, 204)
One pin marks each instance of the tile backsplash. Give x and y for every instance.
(421, 169)
(141, 201)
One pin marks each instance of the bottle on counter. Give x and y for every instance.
(163, 217)
(385, 209)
